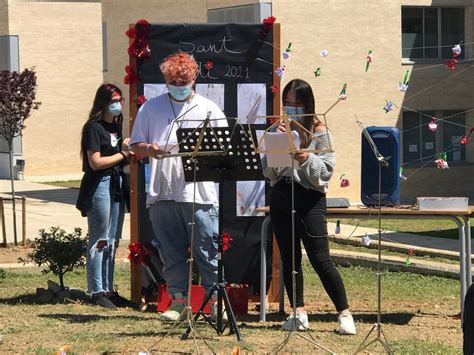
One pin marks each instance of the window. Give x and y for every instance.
(431, 32)
(253, 13)
(421, 145)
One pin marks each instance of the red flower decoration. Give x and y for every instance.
(226, 239)
(141, 99)
(451, 64)
(137, 253)
(464, 140)
(344, 183)
(274, 89)
(139, 48)
(209, 65)
(410, 251)
(267, 25)
(131, 76)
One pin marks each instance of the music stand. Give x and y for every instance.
(380, 335)
(206, 161)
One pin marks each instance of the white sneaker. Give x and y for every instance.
(176, 310)
(346, 323)
(214, 312)
(298, 323)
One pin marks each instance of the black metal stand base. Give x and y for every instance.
(380, 337)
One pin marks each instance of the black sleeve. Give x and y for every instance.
(91, 138)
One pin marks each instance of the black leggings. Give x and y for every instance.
(311, 228)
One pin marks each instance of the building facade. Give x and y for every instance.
(75, 45)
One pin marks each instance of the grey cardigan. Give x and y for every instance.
(315, 172)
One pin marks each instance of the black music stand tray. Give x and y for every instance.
(224, 154)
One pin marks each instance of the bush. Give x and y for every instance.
(61, 252)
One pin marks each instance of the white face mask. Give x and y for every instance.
(115, 108)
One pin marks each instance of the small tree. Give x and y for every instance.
(17, 99)
(61, 252)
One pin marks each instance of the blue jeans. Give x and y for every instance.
(105, 221)
(171, 222)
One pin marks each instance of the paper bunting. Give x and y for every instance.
(274, 89)
(388, 106)
(324, 53)
(410, 253)
(286, 53)
(343, 94)
(464, 140)
(370, 59)
(338, 227)
(209, 65)
(433, 125)
(403, 85)
(280, 72)
(317, 72)
(365, 240)
(442, 164)
(457, 50)
(344, 181)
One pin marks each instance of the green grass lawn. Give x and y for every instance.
(415, 310)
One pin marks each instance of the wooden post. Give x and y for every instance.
(23, 220)
(135, 270)
(4, 232)
(274, 288)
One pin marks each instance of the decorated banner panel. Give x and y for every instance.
(236, 71)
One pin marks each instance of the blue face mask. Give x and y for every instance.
(180, 93)
(291, 110)
(115, 108)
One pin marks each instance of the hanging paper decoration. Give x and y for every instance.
(209, 65)
(442, 164)
(280, 72)
(131, 76)
(343, 94)
(433, 125)
(402, 177)
(388, 106)
(338, 227)
(324, 53)
(403, 85)
(317, 72)
(410, 253)
(451, 64)
(366, 240)
(344, 181)
(286, 53)
(370, 59)
(457, 50)
(274, 89)
(464, 140)
(139, 47)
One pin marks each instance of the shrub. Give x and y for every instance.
(61, 252)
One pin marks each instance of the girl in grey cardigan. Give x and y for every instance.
(311, 175)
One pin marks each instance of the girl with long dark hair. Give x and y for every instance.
(104, 191)
(311, 176)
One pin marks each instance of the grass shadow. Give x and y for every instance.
(27, 298)
(88, 318)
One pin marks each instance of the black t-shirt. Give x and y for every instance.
(105, 138)
(102, 137)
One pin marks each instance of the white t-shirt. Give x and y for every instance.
(154, 123)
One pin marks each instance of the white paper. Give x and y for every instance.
(278, 141)
(153, 90)
(251, 102)
(413, 148)
(429, 145)
(214, 92)
(249, 196)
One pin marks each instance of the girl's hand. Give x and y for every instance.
(300, 156)
(281, 128)
(126, 145)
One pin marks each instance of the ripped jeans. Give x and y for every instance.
(105, 221)
(171, 222)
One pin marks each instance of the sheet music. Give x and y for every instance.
(278, 141)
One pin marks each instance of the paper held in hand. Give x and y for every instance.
(278, 148)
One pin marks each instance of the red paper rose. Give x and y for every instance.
(226, 239)
(209, 65)
(141, 99)
(131, 76)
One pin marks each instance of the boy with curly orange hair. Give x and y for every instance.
(170, 198)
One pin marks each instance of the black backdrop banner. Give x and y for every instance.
(239, 55)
